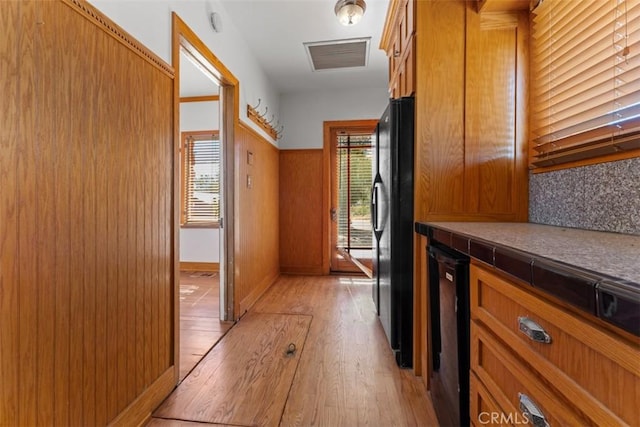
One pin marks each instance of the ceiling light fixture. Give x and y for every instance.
(349, 12)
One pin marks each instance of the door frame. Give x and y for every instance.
(183, 39)
(330, 128)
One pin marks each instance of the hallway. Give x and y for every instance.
(344, 375)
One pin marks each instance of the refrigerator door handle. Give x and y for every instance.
(374, 204)
(374, 207)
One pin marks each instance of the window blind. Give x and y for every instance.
(201, 176)
(585, 79)
(354, 157)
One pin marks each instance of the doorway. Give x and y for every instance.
(351, 159)
(206, 96)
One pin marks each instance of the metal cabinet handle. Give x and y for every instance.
(531, 411)
(534, 331)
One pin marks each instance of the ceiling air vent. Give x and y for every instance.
(334, 54)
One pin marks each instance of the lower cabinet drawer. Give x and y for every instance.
(483, 409)
(515, 388)
(597, 369)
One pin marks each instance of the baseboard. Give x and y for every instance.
(139, 412)
(199, 266)
(256, 293)
(303, 271)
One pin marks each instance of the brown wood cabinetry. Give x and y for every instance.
(468, 72)
(575, 370)
(398, 42)
(502, 5)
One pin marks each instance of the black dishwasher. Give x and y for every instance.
(449, 306)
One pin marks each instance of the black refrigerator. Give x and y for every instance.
(392, 222)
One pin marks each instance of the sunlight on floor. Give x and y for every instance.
(356, 281)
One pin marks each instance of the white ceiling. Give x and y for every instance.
(275, 31)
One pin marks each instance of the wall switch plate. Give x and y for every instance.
(249, 181)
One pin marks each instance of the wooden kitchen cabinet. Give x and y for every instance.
(469, 76)
(398, 42)
(586, 374)
(481, 402)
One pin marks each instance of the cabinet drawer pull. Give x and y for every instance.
(534, 331)
(531, 411)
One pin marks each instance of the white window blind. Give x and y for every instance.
(201, 178)
(585, 79)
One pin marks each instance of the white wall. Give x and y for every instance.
(199, 116)
(199, 244)
(304, 113)
(149, 21)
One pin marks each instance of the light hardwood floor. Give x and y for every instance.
(200, 325)
(345, 376)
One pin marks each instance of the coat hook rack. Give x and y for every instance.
(279, 132)
(270, 122)
(261, 120)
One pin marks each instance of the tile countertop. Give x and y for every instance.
(611, 254)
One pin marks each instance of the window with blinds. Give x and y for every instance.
(354, 160)
(200, 178)
(585, 80)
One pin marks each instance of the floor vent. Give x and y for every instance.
(334, 54)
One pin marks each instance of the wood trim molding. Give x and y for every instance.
(303, 271)
(329, 127)
(139, 412)
(256, 134)
(118, 33)
(203, 98)
(622, 155)
(183, 38)
(389, 24)
(256, 293)
(199, 266)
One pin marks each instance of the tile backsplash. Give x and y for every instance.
(603, 197)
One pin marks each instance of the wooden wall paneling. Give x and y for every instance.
(75, 148)
(127, 240)
(155, 245)
(88, 245)
(134, 226)
(301, 207)
(149, 192)
(86, 170)
(47, 244)
(102, 136)
(14, 19)
(26, 285)
(59, 170)
(439, 107)
(118, 195)
(165, 171)
(257, 255)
